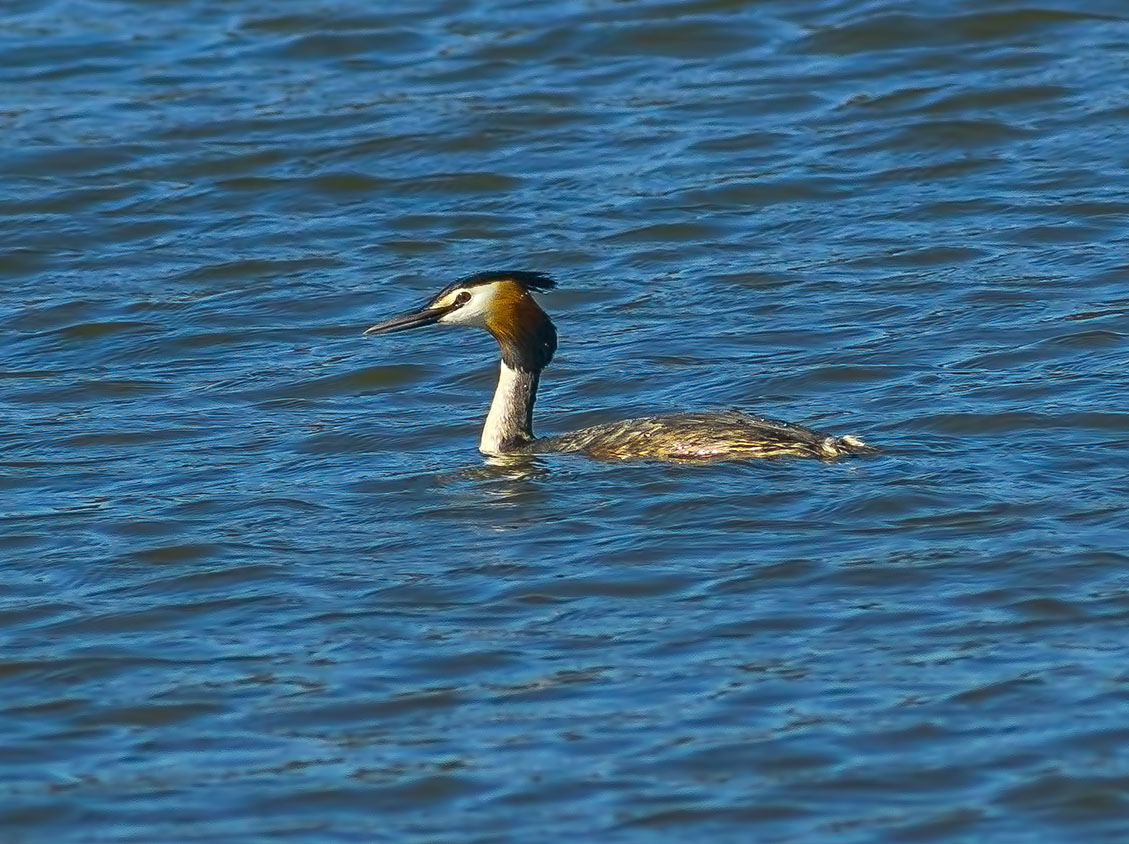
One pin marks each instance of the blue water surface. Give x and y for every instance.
(258, 583)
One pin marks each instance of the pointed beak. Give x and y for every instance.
(411, 319)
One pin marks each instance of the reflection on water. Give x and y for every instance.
(259, 583)
(511, 477)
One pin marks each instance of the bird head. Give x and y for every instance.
(500, 302)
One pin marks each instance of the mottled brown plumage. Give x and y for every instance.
(700, 437)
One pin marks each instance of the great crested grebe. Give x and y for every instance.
(501, 302)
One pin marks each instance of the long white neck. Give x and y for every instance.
(509, 424)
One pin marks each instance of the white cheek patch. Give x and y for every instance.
(473, 312)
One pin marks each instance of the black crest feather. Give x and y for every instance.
(528, 280)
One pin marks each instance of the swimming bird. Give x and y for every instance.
(502, 303)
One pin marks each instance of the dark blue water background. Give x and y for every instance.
(257, 582)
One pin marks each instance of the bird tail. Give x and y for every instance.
(841, 446)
